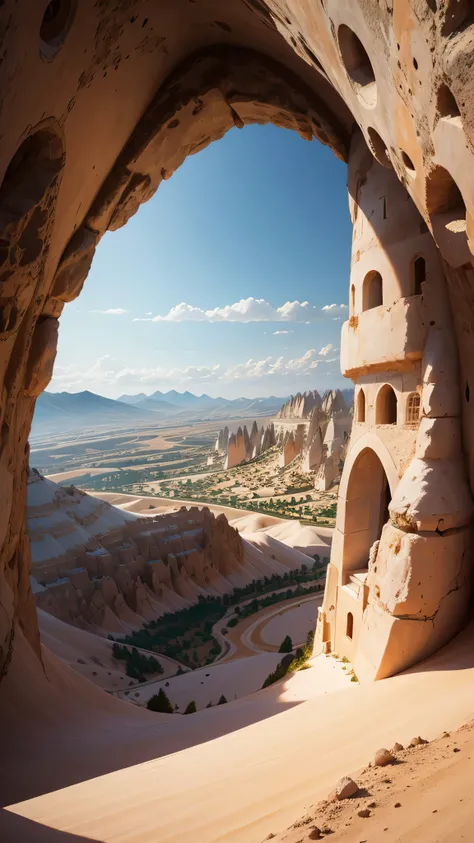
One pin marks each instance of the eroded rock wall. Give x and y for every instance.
(108, 570)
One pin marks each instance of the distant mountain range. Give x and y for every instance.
(63, 412)
(205, 406)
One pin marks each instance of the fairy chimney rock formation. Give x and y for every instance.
(300, 406)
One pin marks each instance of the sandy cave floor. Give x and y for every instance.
(254, 766)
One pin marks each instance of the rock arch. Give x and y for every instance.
(135, 96)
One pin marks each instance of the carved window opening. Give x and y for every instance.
(386, 407)
(353, 292)
(412, 416)
(350, 625)
(361, 406)
(372, 291)
(419, 275)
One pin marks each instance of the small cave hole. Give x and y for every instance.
(357, 65)
(407, 161)
(379, 148)
(457, 15)
(55, 25)
(224, 26)
(467, 392)
(446, 103)
(443, 194)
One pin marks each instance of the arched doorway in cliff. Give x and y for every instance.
(365, 509)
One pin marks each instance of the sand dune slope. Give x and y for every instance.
(89, 654)
(234, 679)
(256, 780)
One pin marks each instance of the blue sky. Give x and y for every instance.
(193, 293)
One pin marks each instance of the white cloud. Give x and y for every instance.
(277, 333)
(334, 307)
(112, 311)
(245, 310)
(325, 350)
(108, 371)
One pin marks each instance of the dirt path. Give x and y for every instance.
(237, 635)
(255, 634)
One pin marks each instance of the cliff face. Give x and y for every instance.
(106, 570)
(300, 406)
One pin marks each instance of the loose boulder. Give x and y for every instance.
(382, 757)
(417, 741)
(345, 788)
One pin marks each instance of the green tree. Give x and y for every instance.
(160, 702)
(286, 645)
(191, 708)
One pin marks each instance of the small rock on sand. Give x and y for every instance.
(382, 757)
(314, 834)
(397, 747)
(345, 788)
(417, 741)
(364, 812)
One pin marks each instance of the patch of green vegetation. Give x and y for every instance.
(160, 702)
(290, 663)
(137, 664)
(186, 635)
(286, 645)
